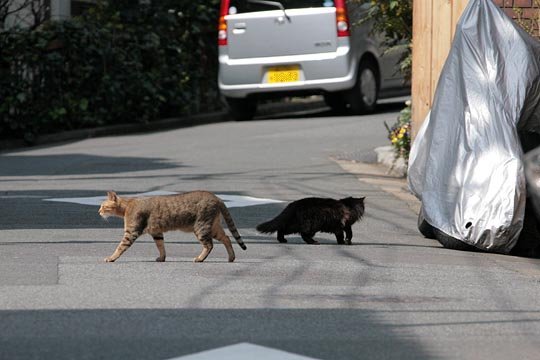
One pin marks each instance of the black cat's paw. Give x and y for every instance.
(348, 242)
(282, 240)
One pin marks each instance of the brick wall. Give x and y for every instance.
(525, 12)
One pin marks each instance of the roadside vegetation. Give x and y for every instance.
(394, 19)
(530, 23)
(118, 63)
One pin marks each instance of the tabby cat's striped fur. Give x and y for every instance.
(197, 211)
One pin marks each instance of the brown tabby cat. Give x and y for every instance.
(196, 211)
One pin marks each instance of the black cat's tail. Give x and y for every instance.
(268, 227)
(276, 223)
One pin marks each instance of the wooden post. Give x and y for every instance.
(421, 59)
(434, 24)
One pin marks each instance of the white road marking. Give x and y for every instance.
(21, 196)
(242, 201)
(243, 351)
(230, 200)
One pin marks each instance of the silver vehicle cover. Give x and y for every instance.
(466, 163)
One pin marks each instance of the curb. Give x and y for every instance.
(387, 157)
(379, 176)
(165, 124)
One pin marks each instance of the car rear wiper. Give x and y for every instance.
(271, 3)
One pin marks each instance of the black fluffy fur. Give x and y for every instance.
(311, 215)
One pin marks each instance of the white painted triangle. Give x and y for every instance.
(230, 200)
(242, 201)
(244, 351)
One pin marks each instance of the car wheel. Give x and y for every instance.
(241, 109)
(445, 240)
(363, 96)
(450, 242)
(425, 228)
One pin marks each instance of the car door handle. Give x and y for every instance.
(239, 28)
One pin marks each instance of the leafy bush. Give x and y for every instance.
(529, 21)
(119, 63)
(394, 19)
(400, 134)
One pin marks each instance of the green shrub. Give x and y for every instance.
(393, 18)
(117, 64)
(400, 134)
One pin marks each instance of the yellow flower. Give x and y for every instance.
(400, 136)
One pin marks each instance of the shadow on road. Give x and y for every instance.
(331, 334)
(78, 164)
(317, 109)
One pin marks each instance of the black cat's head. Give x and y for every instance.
(354, 203)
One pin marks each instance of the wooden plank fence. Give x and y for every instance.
(434, 23)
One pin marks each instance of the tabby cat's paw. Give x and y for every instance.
(160, 259)
(197, 260)
(109, 259)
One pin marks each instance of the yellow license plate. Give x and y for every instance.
(281, 74)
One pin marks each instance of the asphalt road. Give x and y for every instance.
(392, 295)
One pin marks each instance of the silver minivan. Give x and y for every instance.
(302, 47)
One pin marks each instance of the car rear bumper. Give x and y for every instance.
(239, 78)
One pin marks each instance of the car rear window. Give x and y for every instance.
(242, 6)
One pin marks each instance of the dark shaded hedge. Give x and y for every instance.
(117, 64)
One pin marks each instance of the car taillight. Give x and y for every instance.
(342, 20)
(222, 26)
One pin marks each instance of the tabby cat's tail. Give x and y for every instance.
(231, 225)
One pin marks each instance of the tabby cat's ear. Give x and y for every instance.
(112, 195)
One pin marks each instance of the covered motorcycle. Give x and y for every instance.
(466, 163)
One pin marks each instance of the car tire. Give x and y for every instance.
(241, 109)
(425, 228)
(363, 96)
(445, 240)
(450, 242)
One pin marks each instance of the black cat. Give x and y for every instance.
(311, 215)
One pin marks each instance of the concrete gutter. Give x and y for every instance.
(383, 175)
